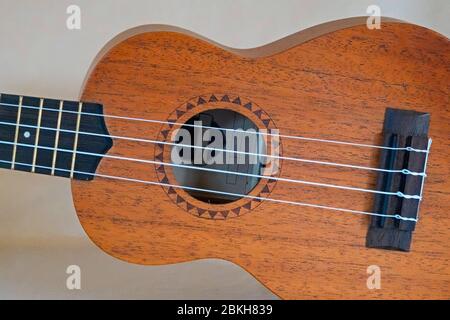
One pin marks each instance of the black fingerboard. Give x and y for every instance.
(52, 137)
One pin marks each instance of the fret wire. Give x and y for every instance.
(36, 140)
(58, 127)
(75, 145)
(16, 135)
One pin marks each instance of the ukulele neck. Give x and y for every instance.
(48, 136)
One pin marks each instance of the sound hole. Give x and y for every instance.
(225, 174)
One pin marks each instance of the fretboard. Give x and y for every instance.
(53, 137)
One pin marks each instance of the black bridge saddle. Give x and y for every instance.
(403, 129)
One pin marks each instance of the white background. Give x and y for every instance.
(39, 232)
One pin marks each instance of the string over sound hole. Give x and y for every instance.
(218, 150)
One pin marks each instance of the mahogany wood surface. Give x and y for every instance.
(336, 86)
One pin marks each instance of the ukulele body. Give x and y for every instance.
(336, 86)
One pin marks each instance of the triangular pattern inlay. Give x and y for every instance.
(171, 122)
(265, 189)
(171, 190)
(159, 157)
(179, 199)
(164, 133)
(212, 214)
(180, 113)
(237, 101)
(201, 101)
(258, 113)
(165, 180)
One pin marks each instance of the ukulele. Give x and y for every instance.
(346, 195)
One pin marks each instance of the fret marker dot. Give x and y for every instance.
(27, 134)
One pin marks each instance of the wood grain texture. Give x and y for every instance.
(336, 86)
